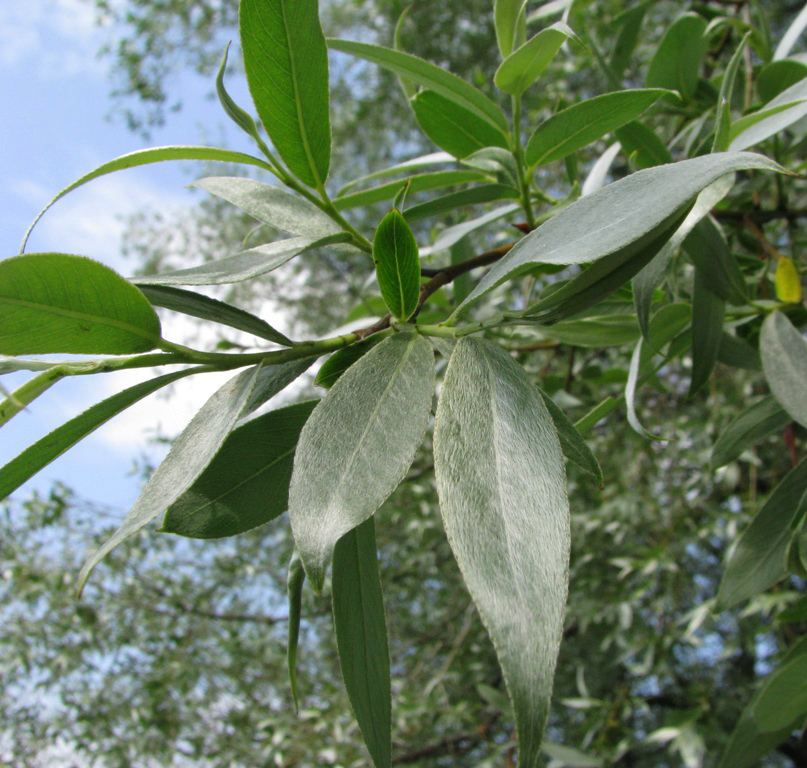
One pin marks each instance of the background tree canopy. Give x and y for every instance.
(683, 638)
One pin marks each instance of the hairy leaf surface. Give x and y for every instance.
(784, 362)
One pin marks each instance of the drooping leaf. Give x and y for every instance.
(615, 218)
(758, 560)
(427, 75)
(754, 424)
(501, 485)
(286, 64)
(708, 313)
(243, 266)
(677, 61)
(784, 362)
(453, 128)
(510, 21)
(206, 308)
(342, 359)
(294, 588)
(361, 636)
(526, 63)
(358, 444)
(190, 454)
(247, 482)
(239, 116)
(784, 110)
(147, 157)
(56, 302)
(271, 205)
(738, 353)
(577, 126)
(395, 252)
(36, 457)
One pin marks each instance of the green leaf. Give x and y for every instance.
(198, 305)
(510, 20)
(577, 126)
(613, 330)
(708, 250)
(361, 636)
(422, 161)
(190, 454)
(238, 115)
(450, 236)
(294, 588)
(502, 491)
(787, 108)
(525, 65)
(29, 391)
(395, 252)
(784, 362)
(273, 379)
(708, 313)
(247, 483)
(55, 302)
(358, 444)
(495, 160)
(245, 265)
(677, 61)
(484, 193)
(427, 75)
(622, 215)
(791, 35)
(36, 457)
(461, 284)
(754, 424)
(758, 560)
(147, 157)
(782, 701)
(286, 64)
(271, 205)
(643, 145)
(777, 76)
(342, 359)
(453, 128)
(629, 23)
(723, 124)
(738, 353)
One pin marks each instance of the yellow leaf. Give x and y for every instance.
(788, 285)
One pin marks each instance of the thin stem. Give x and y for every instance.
(518, 154)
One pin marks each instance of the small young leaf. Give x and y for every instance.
(453, 128)
(247, 483)
(788, 283)
(754, 424)
(286, 64)
(784, 361)
(361, 636)
(342, 359)
(577, 126)
(395, 252)
(502, 491)
(677, 61)
(723, 124)
(238, 115)
(55, 302)
(294, 588)
(358, 445)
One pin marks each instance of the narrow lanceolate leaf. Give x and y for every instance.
(422, 161)
(245, 265)
(361, 636)
(206, 308)
(147, 157)
(577, 126)
(783, 699)
(17, 400)
(483, 193)
(427, 75)
(397, 265)
(758, 561)
(617, 216)
(723, 124)
(247, 483)
(502, 491)
(271, 205)
(191, 452)
(452, 235)
(709, 251)
(239, 116)
(784, 362)
(286, 63)
(524, 65)
(510, 20)
(358, 444)
(787, 108)
(629, 23)
(453, 128)
(754, 424)
(708, 313)
(294, 587)
(55, 302)
(676, 63)
(44, 451)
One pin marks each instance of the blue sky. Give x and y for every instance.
(55, 129)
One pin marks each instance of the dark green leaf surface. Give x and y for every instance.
(453, 128)
(198, 305)
(643, 144)
(708, 312)
(44, 451)
(723, 124)
(397, 264)
(778, 76)
(784, 362)
(758, 561)
(708, 250)
(361, 636)
(273, 379)
(502, 490)
(247, 483)
(612, 330)
(342, 359)
(629, 23)
(782, 701)
(677, 61)
(358, 445)
(577, 126)
(484, 193)
(286, 64)
(55, 302)
(294, 588)
(754, 424)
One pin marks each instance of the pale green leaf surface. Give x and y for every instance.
(723, 124)
(395, 252)
(273, 379)
(361, 637)
(502, 491)
(452, 235)
(754, 424)
(422, 161)
(791, 35)
(56, 302)
(510, 22)
(784, 110)
(784, 362)
(677, 60)
(484, 193)
(190, 453)
(271, 205)
(286, 64)
(358, 445)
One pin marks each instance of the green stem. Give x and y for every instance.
(518, 154)
(326, 205)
